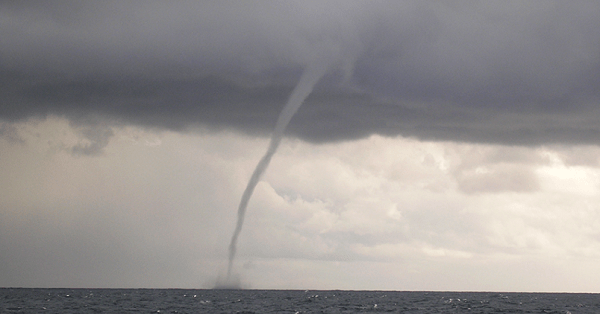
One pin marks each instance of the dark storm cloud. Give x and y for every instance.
(496, 71)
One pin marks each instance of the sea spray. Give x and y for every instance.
(312, 74)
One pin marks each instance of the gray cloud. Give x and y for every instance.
(10, 133)
(96, 138)
(500, 72)
(499, 169)
(580, 155)
(498, 179)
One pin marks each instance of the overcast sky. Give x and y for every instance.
(451, 145)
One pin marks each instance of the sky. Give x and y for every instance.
(450, 145)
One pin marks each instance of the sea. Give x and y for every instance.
(28, 300)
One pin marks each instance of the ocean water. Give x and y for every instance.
(25, 300)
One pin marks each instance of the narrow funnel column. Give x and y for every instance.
(312, 74)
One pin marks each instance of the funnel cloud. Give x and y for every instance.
(309, 78)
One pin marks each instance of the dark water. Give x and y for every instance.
(288, 301)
